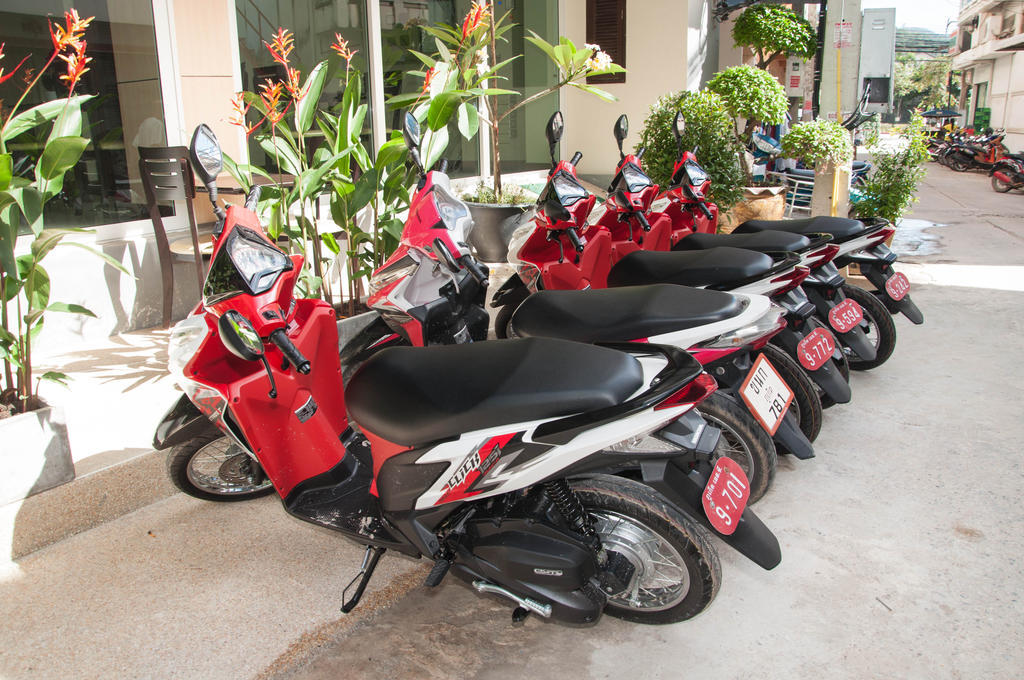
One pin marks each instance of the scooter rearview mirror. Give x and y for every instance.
(239, 336)
(411, 134)
(678, 127)
(553, 132)
(620, 130)
(205, 153)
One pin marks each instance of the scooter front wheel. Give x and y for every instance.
(742, 440)
(881, 329)
(1000, 186)
(214, 468)
(676, 570)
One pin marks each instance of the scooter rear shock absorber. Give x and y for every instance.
(570, 507)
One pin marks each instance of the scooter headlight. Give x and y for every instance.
(390, 273)
(186, 337)
(767, 324)
(454, 213)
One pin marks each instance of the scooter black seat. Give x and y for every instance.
(618, 314)
(715, 267)
(762, 241)
(416, 395)
(841, 228)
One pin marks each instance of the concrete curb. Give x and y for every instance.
(84, 503)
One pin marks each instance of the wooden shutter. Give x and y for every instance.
(606, 26)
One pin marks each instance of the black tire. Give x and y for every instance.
(743, 440)
(844, 370)
(806, 402)
(958, 164)
(880, 323)
(999, 185)
(502, 321)
(615, 504)
(182, 461)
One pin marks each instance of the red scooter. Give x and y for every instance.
(484, 458)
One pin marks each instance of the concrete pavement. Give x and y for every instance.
(901, 544)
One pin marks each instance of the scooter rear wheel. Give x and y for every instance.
(212, 467)
(676, 569)
(742, 440)
(999, 185)
(806, 402)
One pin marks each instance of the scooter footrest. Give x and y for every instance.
(437, 573)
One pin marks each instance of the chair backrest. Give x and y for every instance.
(798, 192)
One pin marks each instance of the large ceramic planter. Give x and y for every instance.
(492, 229)
(35, 455)
(759, 203)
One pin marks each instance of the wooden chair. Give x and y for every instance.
(167, 176)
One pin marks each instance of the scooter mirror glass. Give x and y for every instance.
(238, 335)
(205, 154)
(621, 129)
(555, 126)
(411, 131)
(679, 125)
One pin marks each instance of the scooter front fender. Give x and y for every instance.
(791, 438)
(855, 338)
(182, 422)
(878, 274)
(827, 376)
(513, 291)
(683, 488)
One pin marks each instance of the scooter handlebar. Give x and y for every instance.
(252, 199)
(474, 268)
(576, 158)
(290, 351)
(574, 238)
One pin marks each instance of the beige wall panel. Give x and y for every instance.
(208, 100)
(656, 64)
(201, 27)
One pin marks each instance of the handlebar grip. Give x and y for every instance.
(576, 158)
(290, 351)
(574, 238)
(474, 268)
(443, 168)
(642, 219)
(253, 197)
(640, 153)
(704, 209)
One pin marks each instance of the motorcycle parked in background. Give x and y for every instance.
(1008, 173)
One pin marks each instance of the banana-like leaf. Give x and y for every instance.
(468, 120)
(596, 91)
(59, 156)
(6, 170)
(441, 109)
(37, 115)
(30, 200)
(70, 308)
(309, 97)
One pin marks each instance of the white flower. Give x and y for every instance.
(481, 61)
(601, 61)
(592, 47)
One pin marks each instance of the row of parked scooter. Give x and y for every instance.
(984, 151)
(652, 372)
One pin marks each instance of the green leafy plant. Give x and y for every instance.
(819, 142)
(24, 281)
(892, 187)
(709, 129)
(511, 195)
(773, 30)
(460, 74)
(751, 95)
(340, 165)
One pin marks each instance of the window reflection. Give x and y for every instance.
(127, 112)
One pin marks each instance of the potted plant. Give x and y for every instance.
(36, 455)
(340, 166)
(771, 31)
(826, 146)
(898, 168)
(458, 85)
(709, 129)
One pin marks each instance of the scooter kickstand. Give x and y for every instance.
(364, 575)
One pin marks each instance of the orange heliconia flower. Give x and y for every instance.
(71, 33)
(271, 95)
(76, 65)
(340, 45)
(428, 77)
(281, 46)
(239, 109)
(477, 14)
(4, 78)
(292, 84)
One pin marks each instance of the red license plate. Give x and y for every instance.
(815, 349)
(845, 316)
(897, 286)
(725, 495)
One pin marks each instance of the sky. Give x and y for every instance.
(930, 14)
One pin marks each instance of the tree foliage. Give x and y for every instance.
(922, 83)
(709, 129)
(752, 95)
(818, 141)
(891, 189)
(774, 30)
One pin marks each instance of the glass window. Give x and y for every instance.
(314, 24)
(127, 113)
(400, 31)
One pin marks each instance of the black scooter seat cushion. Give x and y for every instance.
(618, 314)
(715, 267)
(416, 395)
(762, 242)
(841, 228)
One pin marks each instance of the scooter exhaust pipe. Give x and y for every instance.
(524, 602)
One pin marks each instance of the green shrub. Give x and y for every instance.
(891, 189)
(709, 128)
(753, 95)
(773, 30)
(818, 141)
